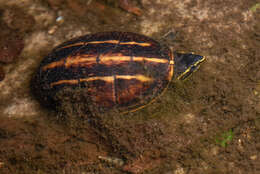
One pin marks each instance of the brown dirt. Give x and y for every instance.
(208, 124)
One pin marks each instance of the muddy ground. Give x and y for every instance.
(208, 124)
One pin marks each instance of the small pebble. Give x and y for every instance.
(253, 157)
(53, 29)
(60, 19)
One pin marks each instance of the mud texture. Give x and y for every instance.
(209, 123)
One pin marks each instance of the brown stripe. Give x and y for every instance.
(80, 60)
(138, 77)
(171, 69)
(150, 59)
(53, 65)
(119, 58)
(108, 41)
(170, 73)
(103, 78)
(109, 79)
(72, 82)
(114, 58)
(135, 43)
(83, 60)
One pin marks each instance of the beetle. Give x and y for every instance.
(121, 70)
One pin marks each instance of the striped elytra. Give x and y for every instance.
(120, 70)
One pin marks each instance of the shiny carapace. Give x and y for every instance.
(119, 70)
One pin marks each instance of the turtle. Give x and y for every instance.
(113, 70)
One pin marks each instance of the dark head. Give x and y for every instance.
(186, 64)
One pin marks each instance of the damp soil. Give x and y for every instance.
(210, 123)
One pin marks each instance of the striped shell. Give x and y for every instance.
(115, 69)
